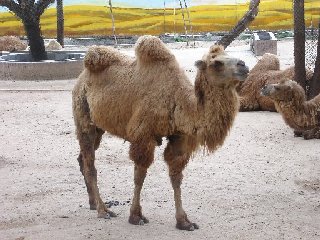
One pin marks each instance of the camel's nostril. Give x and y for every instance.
(247, 69)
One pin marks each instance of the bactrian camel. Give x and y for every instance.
(266, 71)
(146, 98)
(291, 102)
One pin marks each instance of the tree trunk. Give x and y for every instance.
(241, 25)
(60, 23)
(299, 43)
(315, 81)
(29, 12)
(36, 42)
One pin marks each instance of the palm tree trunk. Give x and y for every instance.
(36, 42)
(60, 22)
(315, 82)
(241, 25)
(299, 43)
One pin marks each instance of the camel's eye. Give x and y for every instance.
(277, 87)
(218, 64)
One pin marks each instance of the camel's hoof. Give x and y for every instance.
(297, 133)
(93, 207)
(308, 136)
(107, 215)
(137, 220)
(187, 226)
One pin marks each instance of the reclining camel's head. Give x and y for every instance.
(221, 69)
(285, 91)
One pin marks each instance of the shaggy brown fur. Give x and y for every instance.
(11, 44)
(144, 99)
(266, 71)
(290, 100)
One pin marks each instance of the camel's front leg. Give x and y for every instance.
(142, 154)
(312, 133)
(177, 154)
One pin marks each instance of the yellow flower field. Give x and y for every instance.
(95, 20)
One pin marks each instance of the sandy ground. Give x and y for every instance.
(262, 184)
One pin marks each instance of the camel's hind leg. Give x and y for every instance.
(142, 154)
(89, 142)
(177, 154)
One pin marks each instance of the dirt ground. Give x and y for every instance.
(262, 184)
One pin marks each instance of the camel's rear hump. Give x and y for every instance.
(150, 49)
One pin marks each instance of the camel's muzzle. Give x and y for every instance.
(266, 90)
(243, 71)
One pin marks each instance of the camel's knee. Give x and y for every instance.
(99, 133)
(86, 157)
(80, 161)
(177, 154)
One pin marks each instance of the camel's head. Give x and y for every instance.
(286, 90)
(222, 69)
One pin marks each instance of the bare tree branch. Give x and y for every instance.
(241, 25)
(12, 6)
(41, 5)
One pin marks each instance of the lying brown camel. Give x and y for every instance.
(291, 102)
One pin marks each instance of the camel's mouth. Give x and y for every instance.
(266, 90)
(241, 77)
(242, 74)
(242, 71)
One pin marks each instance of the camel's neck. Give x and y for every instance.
(217, 107)
(300, 115)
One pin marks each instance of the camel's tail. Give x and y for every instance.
(150, 49)
(100, 57)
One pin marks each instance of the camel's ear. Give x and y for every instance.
(282, 81)
(216, 49)
(200, 64)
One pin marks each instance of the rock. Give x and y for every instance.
(11, 44)
(53, 45)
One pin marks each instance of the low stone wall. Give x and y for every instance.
(40, 70)
(63, 65)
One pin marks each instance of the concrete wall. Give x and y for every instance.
(40, 70)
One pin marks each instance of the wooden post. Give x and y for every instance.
(113, 25)
(299, 43)
(60, 23)
(315, 81)
(184, 22)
